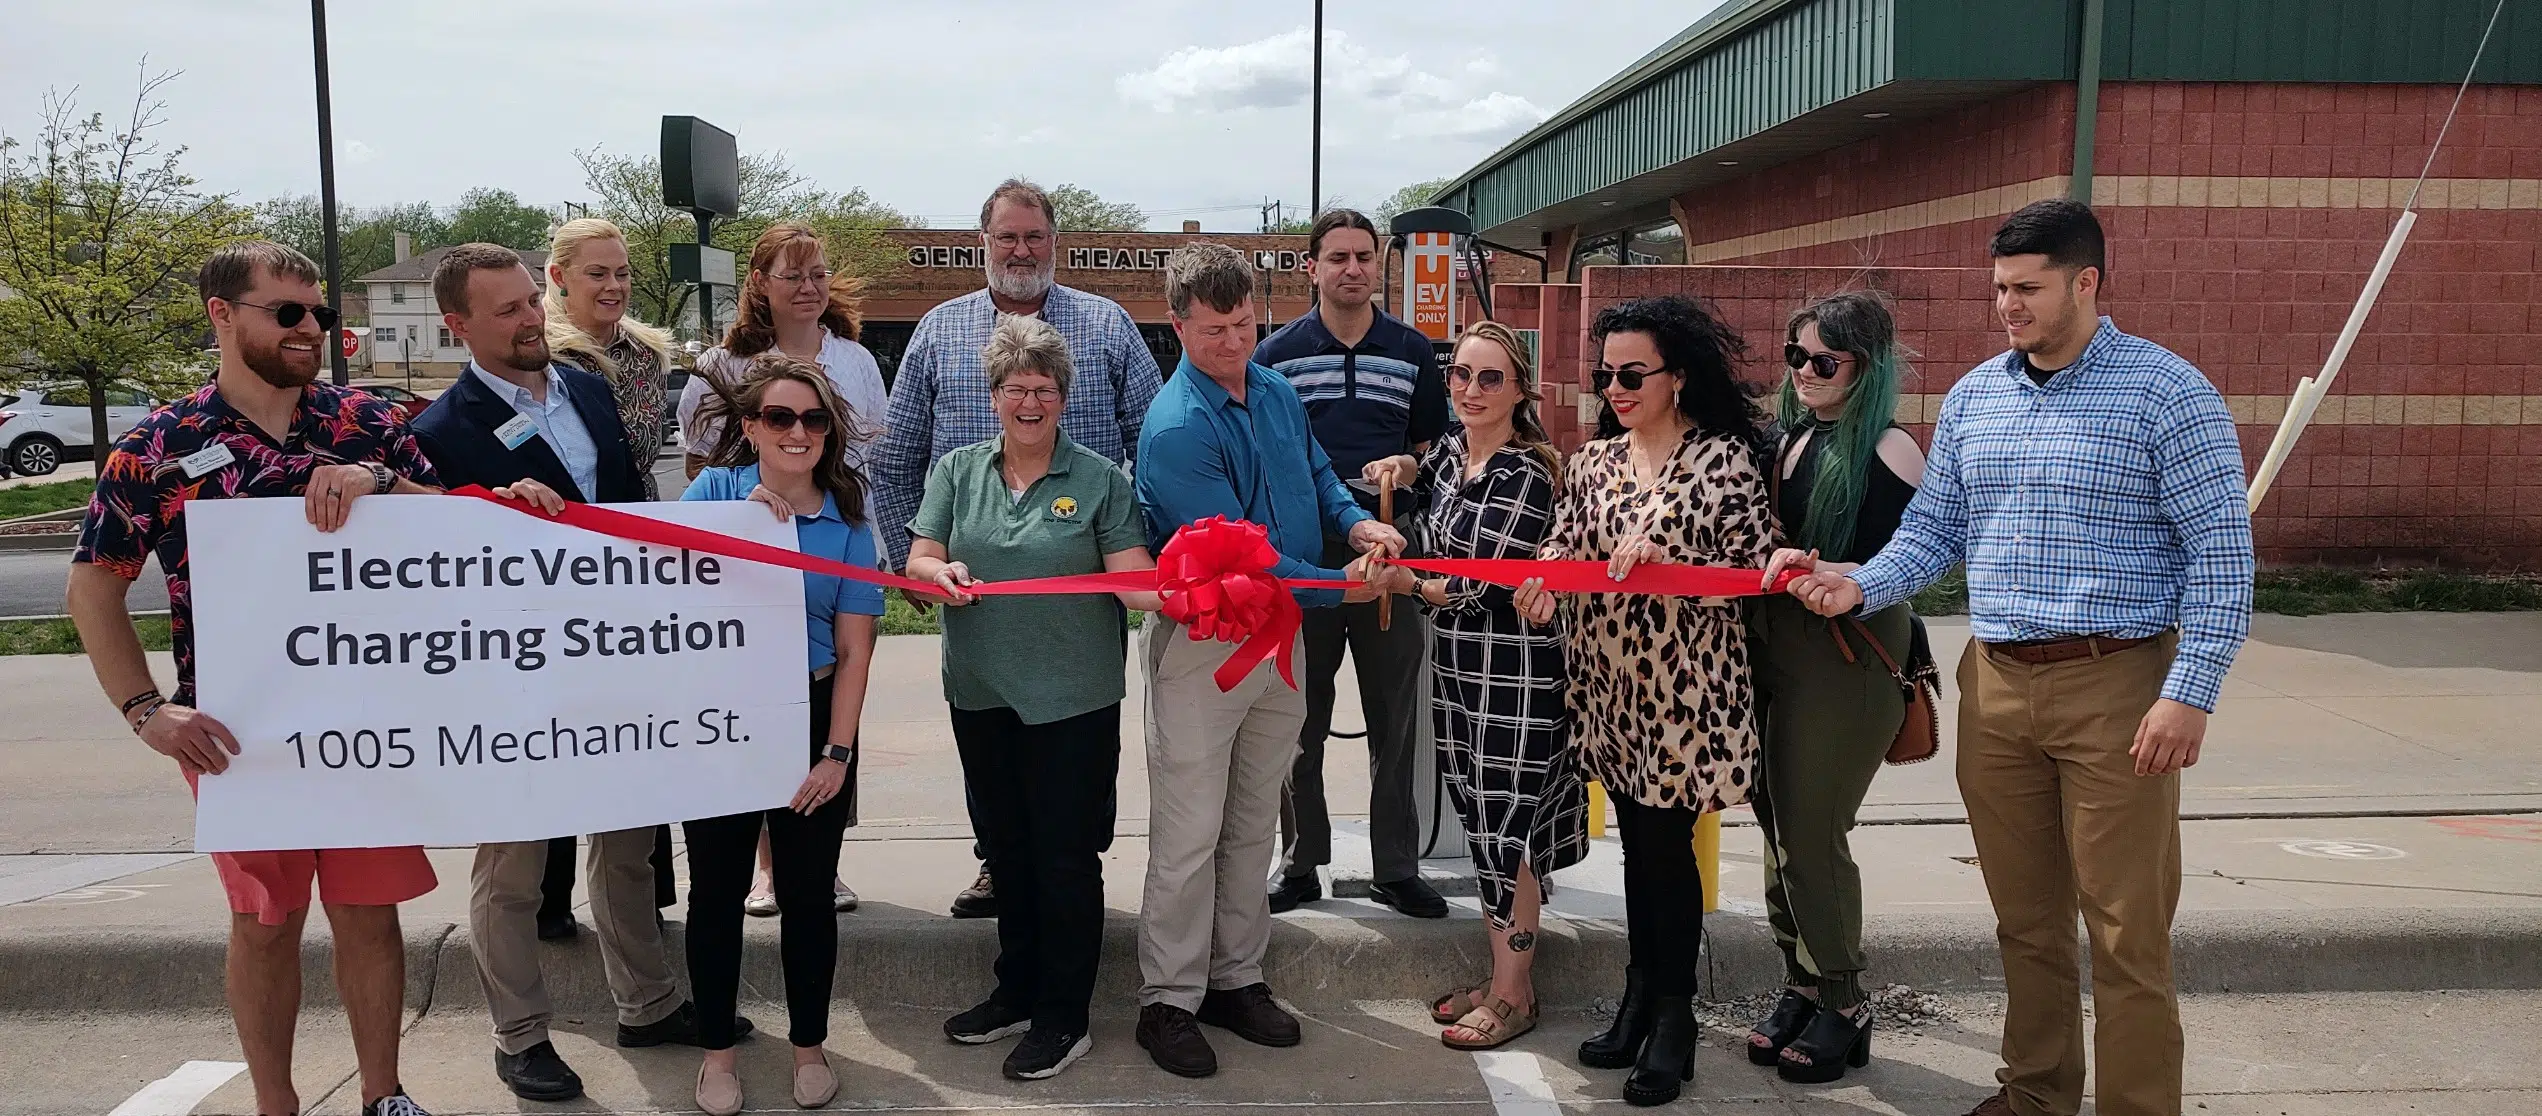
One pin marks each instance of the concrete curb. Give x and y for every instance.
(1329, 962)
(64, 541)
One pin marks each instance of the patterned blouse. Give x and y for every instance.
(639, 383)
(139, 505)
(1662, 706)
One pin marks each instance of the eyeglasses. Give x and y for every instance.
(798, 278)
(1008, 241)
(781, 419)
(288, 314)
(1016, 394)
(1822, 365)
(1631, 378)
(1489, 379)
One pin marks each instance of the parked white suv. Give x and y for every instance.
(41, 426)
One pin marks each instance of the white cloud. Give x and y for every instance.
(357, 153)
(1274, 72)
(1493, 117)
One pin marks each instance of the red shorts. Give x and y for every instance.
(271, 885)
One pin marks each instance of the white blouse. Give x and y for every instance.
(852, 370)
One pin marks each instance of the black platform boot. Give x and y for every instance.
(1668, 1059)
(1622, 1041)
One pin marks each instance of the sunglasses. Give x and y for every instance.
(288, 314)
(1631, 378)
(782, 419)
(1822, 365)
(1489, 379)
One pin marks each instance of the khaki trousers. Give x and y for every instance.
(2064, 824)
(503, 919)
(1215, 766)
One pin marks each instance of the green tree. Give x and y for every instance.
(495, 216)
(629, 189)
(100, 235)
(1410, 197)
(1078, 209)
(367, 239)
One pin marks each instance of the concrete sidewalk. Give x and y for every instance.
(2366, 819)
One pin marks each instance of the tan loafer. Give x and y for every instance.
(718, 1094)
(815, 1084)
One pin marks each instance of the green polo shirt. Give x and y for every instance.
(1047, 658)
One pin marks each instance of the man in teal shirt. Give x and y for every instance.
(1224, 437)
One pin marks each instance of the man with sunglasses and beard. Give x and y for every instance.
(1372, 391)
(264, 427)
(544, 432)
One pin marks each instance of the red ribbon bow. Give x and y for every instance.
(1215, 576)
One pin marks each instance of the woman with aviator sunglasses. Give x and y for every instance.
(787, 452)
(1661, 707)
(1844, 474)
(1497, 706)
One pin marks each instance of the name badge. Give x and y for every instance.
(517, 431)
(206, 460)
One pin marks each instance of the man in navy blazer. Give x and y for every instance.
(535, 430)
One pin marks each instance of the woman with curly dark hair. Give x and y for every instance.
(1661, 706)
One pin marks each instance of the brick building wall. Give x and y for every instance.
(2243, 219)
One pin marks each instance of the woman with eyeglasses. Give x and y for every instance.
(788, 453)
(1035, 685)
(1497, 702)
(1660, 699)
(1844, 474)
(795, 305)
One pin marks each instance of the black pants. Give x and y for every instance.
(556, 889)
(803, 853)
(1042, 803)
(1663, 893)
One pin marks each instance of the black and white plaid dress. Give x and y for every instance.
(1499, 701)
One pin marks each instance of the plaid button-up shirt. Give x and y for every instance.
(2108, 502)
(940, 396)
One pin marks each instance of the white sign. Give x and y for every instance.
(443, 671)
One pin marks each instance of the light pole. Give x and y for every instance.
(1315, 155)
(326, 186)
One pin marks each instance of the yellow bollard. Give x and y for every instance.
(1708, 857)
(1597, 809)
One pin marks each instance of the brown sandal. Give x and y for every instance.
(1496, 1021)
(1446, 1010)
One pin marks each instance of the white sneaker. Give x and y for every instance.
(843, 897)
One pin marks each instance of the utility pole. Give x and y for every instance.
(1315, 157)
(326, 189)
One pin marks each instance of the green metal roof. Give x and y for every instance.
(1758, 82)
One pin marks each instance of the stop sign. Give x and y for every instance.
(352, 343)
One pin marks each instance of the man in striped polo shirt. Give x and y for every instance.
(1372, 390)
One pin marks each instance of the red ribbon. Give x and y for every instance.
(1214, 576)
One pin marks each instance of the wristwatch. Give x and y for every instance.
(838, 752)
(383, 478)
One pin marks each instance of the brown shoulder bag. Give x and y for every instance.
(1920, 732)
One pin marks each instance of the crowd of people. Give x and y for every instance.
(2089, 480)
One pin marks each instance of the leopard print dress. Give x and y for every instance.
(1662, 708)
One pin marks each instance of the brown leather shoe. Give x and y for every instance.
(1998, 1105)
(1174, 1041)
(1250, 1013)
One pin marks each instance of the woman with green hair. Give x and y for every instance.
(1844, 472)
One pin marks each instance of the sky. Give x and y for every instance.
(1187, 110)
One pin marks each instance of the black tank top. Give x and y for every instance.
(1884, 498)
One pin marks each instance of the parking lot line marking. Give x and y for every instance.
(178, 1093)
(1517, 1083)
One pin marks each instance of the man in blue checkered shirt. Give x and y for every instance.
(940, 396)
(2092, 483)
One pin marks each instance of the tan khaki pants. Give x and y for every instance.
(1215, 766)
(503, 919)
(2064, 824)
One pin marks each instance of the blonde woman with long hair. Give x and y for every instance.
(1497, 703)
(588, 286)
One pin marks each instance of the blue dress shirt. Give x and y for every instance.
(1201, 453)
(558, 422)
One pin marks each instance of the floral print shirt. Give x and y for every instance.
(139, 505)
